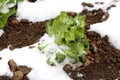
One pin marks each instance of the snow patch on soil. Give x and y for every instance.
(46, 9)
(34, 59)
(111, 27)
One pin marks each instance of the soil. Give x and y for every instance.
(103, 60)
(94, 16)
(87, 4)
(111, 7)
(19, 34)
(32, 0)
(9, 78)
(22, 33)
(99, 3)
(19, 72)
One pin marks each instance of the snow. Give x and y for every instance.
(34, 59)
(110, 27)
(1, 32)
(51, 49)
(47, 9)
(6, 6)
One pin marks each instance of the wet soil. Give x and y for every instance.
(19, 34)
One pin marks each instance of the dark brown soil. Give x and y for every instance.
(19, 72)
(103, 61)
(32, 0)
(95, 16)
(99, 3)
(5, 78)
(8, 78)
(111, 7)
(87, 4)
(20, 34)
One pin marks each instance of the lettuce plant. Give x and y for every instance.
(69, 31)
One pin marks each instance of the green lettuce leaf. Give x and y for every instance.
(69, 31)
(50, 62)
(11, 1)
(60, 57)
(4, 16)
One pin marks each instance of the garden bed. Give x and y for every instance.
(103, 59)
